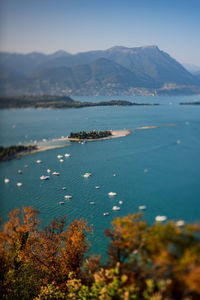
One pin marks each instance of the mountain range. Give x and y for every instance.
(115, 71)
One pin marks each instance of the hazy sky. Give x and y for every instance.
(81, 25)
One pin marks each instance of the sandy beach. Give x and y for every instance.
(40, 149)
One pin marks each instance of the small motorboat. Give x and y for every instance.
(120, 202)
(86, 175)
(38, 161)
(59, 156)
(111, 194)
(61, 202)
(48, 171)
(56, 173)
(19, 172)
(92, 202)
(43, 177)
(68, 197)
(19, 184)
(160, 218)
(64, 188)
(67, 155)
(61, 160)
(6, 180)
(142, 207)
(25, 166)
(106, 214)
(116, 208)
(180, 223)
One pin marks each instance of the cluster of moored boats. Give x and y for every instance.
(158, 218)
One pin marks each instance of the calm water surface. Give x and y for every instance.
(170, 187)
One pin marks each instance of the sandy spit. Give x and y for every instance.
(154, 126)
(40, 149)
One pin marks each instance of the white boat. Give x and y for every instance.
(146, 170)
(25, 166)
(19, 184)
(111, 194)
(19, 172)
(116, 208)
(67, 155)
(38, 161)
(59, 156)
(120, 202)
(106, 214)
(92, 202)
(86, 175)
(61, 160)
(97, 187)
(160, 218)
(114, 174)
(142, 207)
(68, 197)
(6, 180)
(48, 171)
(56, 173)
(61, 202)
(64, 188)
(180, 223)
(44, 177)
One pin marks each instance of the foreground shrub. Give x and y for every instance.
(145, 262)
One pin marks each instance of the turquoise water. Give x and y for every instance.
(170, 187)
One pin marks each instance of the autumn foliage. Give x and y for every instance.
(157, 262)
(31, 258)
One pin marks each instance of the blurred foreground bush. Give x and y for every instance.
(157, 262)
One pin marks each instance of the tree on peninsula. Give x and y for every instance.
(94, 134)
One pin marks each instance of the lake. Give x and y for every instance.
(159, 168)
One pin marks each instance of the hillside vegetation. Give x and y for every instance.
(115, 71)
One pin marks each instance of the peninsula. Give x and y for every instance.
(7, 153)
(45, 101)
(190, 103)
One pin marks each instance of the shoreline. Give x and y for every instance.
(115, 134)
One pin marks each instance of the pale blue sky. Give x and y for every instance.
(81, 25)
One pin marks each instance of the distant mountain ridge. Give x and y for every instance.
(117, 70)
